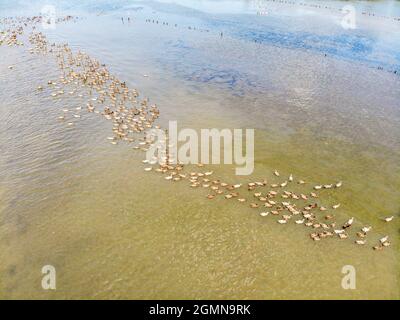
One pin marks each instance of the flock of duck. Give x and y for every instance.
(132, 118)
(164, 23)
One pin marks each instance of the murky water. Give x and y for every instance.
(325, 105)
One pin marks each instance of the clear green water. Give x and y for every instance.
(70, 199)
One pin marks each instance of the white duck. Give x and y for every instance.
(348, 223)
(388, 219)
(384, 239)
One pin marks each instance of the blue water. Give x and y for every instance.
(232, 25)
(375, 42)
(376, 47)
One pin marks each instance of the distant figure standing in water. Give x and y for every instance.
(122, 18)
(222, 34)
(129, 19)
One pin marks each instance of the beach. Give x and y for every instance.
(323, 103)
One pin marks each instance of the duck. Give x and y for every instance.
(366, 229)
(348, 223)
(384, 239)
(388, 219)
(338, 231)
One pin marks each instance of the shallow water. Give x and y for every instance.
(70, 199)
